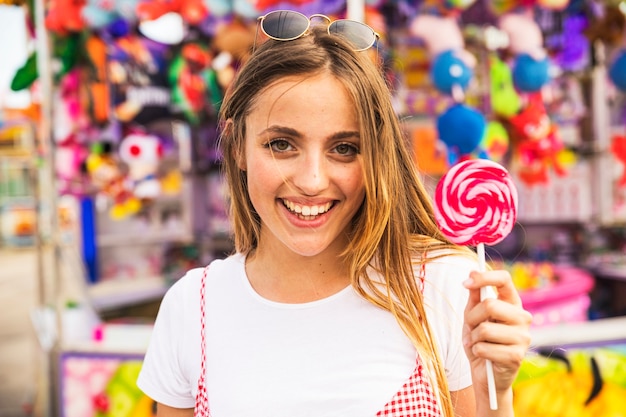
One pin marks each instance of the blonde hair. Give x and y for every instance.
(396, 226)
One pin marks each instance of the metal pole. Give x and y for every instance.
(46, 148)
(603, 209)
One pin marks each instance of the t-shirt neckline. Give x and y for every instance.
(243, 277)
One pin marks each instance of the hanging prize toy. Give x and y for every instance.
(142, 153)
(110, 184)
(476, 205)
(531, 66)
(618, 148)
(460, 127)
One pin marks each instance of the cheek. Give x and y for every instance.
(262, 179)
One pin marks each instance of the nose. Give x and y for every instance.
(311, 175)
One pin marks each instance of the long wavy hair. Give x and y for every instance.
(395, 227)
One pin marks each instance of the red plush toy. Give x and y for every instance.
(540, 143)
(618, 148)
(64, 16)
(192, 11)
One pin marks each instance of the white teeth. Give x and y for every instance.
(308, 212)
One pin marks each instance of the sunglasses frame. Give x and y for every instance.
(309, 19)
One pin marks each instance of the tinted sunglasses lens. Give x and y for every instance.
(359, 34)
(285, 25)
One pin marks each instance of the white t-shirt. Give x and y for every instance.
(339, 356)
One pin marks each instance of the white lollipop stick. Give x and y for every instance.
(487, 292)
(476, 204)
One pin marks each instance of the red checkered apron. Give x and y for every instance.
(416, 398)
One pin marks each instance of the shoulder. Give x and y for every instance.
(445, 267)
(444, 274)
(192, 280)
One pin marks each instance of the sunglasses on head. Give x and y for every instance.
(288, 25)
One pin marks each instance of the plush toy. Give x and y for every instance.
(461, 128)
(234, 37)
(607, 26)
(539, 147)
(70, 117)
(109, 182)
(495, 141)
(137, 76)
(64, 16)
(452, 65)
(572, 50)
(142, 154)
(64, 53)
(505, 101)
(194, 82)
(440, 34)
(448, 71)
(98, 14)
(618, 148)
(531, 63)
(192, 11)
(617, 70)
(98, 90)
(530, 74)
(69, 159)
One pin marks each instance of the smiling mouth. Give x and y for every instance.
(307, 212)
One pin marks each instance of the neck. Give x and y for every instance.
(292, 278)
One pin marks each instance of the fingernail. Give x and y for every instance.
(468, 282)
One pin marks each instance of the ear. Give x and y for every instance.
(237, 153)
(240, 158)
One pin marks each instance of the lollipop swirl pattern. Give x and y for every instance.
(476, 202)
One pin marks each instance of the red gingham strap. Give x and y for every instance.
(416, 398)
(202, 399)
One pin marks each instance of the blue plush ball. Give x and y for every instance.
(448, 70)
(617, 72)
(461, 128)
(530, 74)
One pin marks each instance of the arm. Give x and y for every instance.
(464, 402)
(498, 330)
(166, 411)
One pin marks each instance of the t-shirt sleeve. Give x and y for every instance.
(164, 376)
(445, 299)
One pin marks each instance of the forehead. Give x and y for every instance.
(311, 99)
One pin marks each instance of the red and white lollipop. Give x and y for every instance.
(476, 205)
(476, 202)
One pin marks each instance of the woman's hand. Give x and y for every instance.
(495, 329)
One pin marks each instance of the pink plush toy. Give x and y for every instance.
(524, 34)
(441, 34)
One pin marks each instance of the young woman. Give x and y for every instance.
(343, 297)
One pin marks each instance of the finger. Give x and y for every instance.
(498, 311)
(497, 333)
(501, 280)
(508, 357)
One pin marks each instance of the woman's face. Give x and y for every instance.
(303, 165)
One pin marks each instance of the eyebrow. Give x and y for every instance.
(344, 134)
